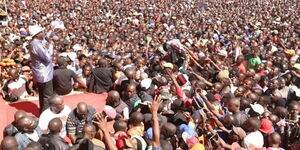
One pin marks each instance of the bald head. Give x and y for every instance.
(130, 73)
(89, 131)
(82, 110)
(55, 99)
(19, 114)
(131, 90)
(24, 123)
(113, 98)
(9, 143)
(82, 106)
(55, 126)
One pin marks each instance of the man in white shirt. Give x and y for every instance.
(15, 88)
(57, 109)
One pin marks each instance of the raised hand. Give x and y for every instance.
(155, 104)
(101, 121)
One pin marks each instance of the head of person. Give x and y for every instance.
(89, 131)
(282, 82)
(9, 143)
(252, 124)
(227, 121)
(130, 73)
(249, 84)
(113, 98)
(168, 130)
(240, 59)
(131, 90)
(281, 112)
(55, 125)
(120, 125)
(136, 118)
(18, 115)
(240, 91)
(274, 85)
(274, 140)
(140, 62)
(82, 110)
(245, 103)
(102, 63)
(87, 70)
(56, 104)
(62, 61)
(35, 146)
(14, 73)
(294, 109)
(233, 104)
(217, 87)
(27, 124)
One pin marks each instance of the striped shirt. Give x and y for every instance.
(75, 125)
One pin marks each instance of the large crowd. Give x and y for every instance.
(179, 74)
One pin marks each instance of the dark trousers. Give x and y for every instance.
(45, 92)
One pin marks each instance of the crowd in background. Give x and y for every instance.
(179, 74)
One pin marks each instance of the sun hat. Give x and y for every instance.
(239, 131)
(35, 29)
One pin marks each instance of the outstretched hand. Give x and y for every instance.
(155, 104)
(101, 121)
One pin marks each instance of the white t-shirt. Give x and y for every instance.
(255, 139)
(48, 115)
(18, 88)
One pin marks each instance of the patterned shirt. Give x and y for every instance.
(75, 125)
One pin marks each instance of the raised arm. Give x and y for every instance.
(155, 126)
(102, 124)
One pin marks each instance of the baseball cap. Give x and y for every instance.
(258, 108)
(266, 126)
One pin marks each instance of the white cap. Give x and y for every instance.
(258, 108)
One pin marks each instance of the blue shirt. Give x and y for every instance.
(23, 140)
(42, 67)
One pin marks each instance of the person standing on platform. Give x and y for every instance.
(42, 68)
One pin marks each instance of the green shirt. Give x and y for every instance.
(253, 62)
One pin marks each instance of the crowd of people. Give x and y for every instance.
(179, 74)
